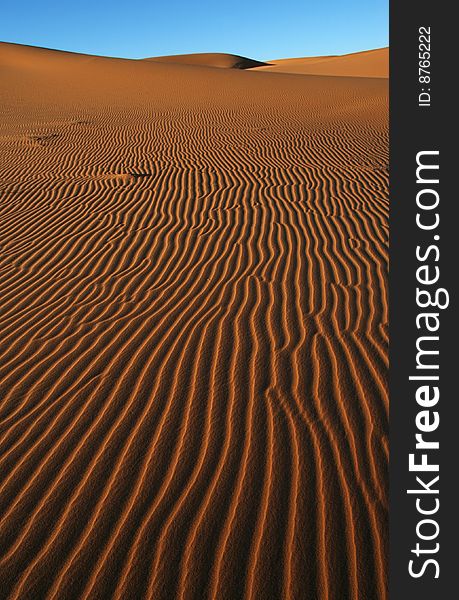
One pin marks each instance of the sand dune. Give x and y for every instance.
(372, 63)
(193, 315)
(216, 59)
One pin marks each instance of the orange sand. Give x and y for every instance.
(193, 326)
(373, 63)
(224, 61)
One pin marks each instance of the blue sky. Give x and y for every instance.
(138, 28)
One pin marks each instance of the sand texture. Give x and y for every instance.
(193, 329)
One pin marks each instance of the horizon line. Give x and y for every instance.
(192, 53)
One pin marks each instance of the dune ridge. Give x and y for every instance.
(371, 63)
(193, 315)
(216, 59)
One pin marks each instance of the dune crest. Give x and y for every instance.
(216, 59)
(371, 63)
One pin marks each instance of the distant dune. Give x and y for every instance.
(193, 325)
(221, 60)
(372, 63)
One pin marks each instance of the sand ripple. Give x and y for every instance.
(193, 318)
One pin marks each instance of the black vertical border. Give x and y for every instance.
(413, 129)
